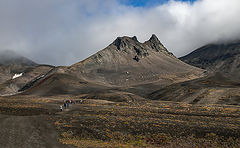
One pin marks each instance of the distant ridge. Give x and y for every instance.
(220, 86)
(9, 57)
(217, 58)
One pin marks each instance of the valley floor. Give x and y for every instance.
(27, 121)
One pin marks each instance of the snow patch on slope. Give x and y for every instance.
(17, 75)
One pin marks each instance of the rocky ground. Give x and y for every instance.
(27, 121)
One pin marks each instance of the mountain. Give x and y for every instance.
(8, 57)
(221, 86)
(16, 71)
(128, 62)
(11, 63)
(18, 80)
(221, 58)
(126, 67)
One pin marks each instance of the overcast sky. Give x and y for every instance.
(63, 32)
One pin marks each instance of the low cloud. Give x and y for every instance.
(62, 32)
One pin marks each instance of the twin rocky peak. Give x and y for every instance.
(126, 44)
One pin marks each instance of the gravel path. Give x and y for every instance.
(28, 132)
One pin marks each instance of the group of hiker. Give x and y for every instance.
(67, 103)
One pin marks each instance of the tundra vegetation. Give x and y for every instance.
(101, 123)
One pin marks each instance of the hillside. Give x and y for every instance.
(125, 66)
(221, 86)
(128, 62)
(213, 89)
(17, 70)
(12, 63)
(221, 58)
(13, 84)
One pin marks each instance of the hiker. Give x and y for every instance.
(64, 105)
(67, 104)
(61, 108)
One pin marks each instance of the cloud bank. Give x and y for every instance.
(62, 32)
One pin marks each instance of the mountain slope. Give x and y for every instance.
(12, 63)
(221, 86)
(13, 85)
(221, 58)
(128, 62)
(16, 71)
(126, 65)
(214, 89)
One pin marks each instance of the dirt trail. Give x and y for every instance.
(28, 132)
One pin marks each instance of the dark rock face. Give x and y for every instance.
(126, 44)
(121, 44)
(156, 44)
(221, 58)
(141, 51)
(136, 58)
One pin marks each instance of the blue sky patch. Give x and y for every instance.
(143, 3)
